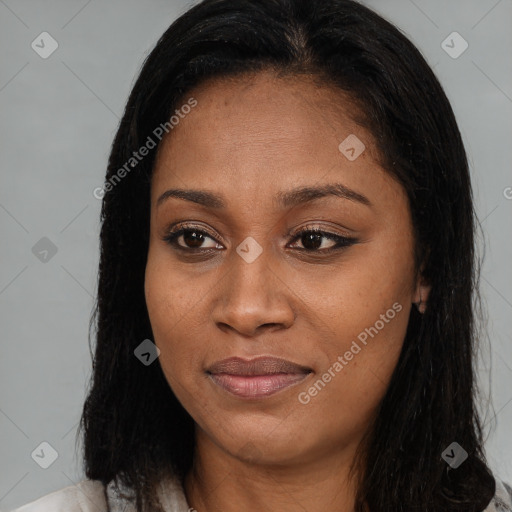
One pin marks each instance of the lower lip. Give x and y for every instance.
(256, 386)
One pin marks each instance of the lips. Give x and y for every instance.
(256, 378)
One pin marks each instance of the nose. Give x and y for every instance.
(253, 297)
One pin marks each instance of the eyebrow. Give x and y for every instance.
(286, 199)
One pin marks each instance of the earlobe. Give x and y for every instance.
(421, 296)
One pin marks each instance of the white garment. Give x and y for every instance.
(88, 496)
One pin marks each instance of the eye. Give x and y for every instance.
(192, 238)
(312, 240)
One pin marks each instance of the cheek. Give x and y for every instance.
(170, 306)
(367, 345)
(351, 297)
(170, 298)
(166, 292)
(363, 309)
(346, 392)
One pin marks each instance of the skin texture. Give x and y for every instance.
(248, 139)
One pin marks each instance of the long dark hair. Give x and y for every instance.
(135, 430)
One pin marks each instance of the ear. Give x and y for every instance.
(421, 294)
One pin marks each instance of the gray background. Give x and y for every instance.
(58, 118)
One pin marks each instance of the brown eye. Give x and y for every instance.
(312, 240)
(193, 239)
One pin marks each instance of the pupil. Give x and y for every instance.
(312, 240)
(192, 238)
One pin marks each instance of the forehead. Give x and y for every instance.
(262, 107)
(258, 131)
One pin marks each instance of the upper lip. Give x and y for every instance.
(257, 366)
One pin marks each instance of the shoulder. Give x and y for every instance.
(86, 496)
(89, 496)
(502, 501)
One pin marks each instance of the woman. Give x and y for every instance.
(284, 315)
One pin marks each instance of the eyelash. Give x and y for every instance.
(341, 241)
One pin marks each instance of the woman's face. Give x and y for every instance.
(239, 282)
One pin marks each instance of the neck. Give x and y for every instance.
(220, 481)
